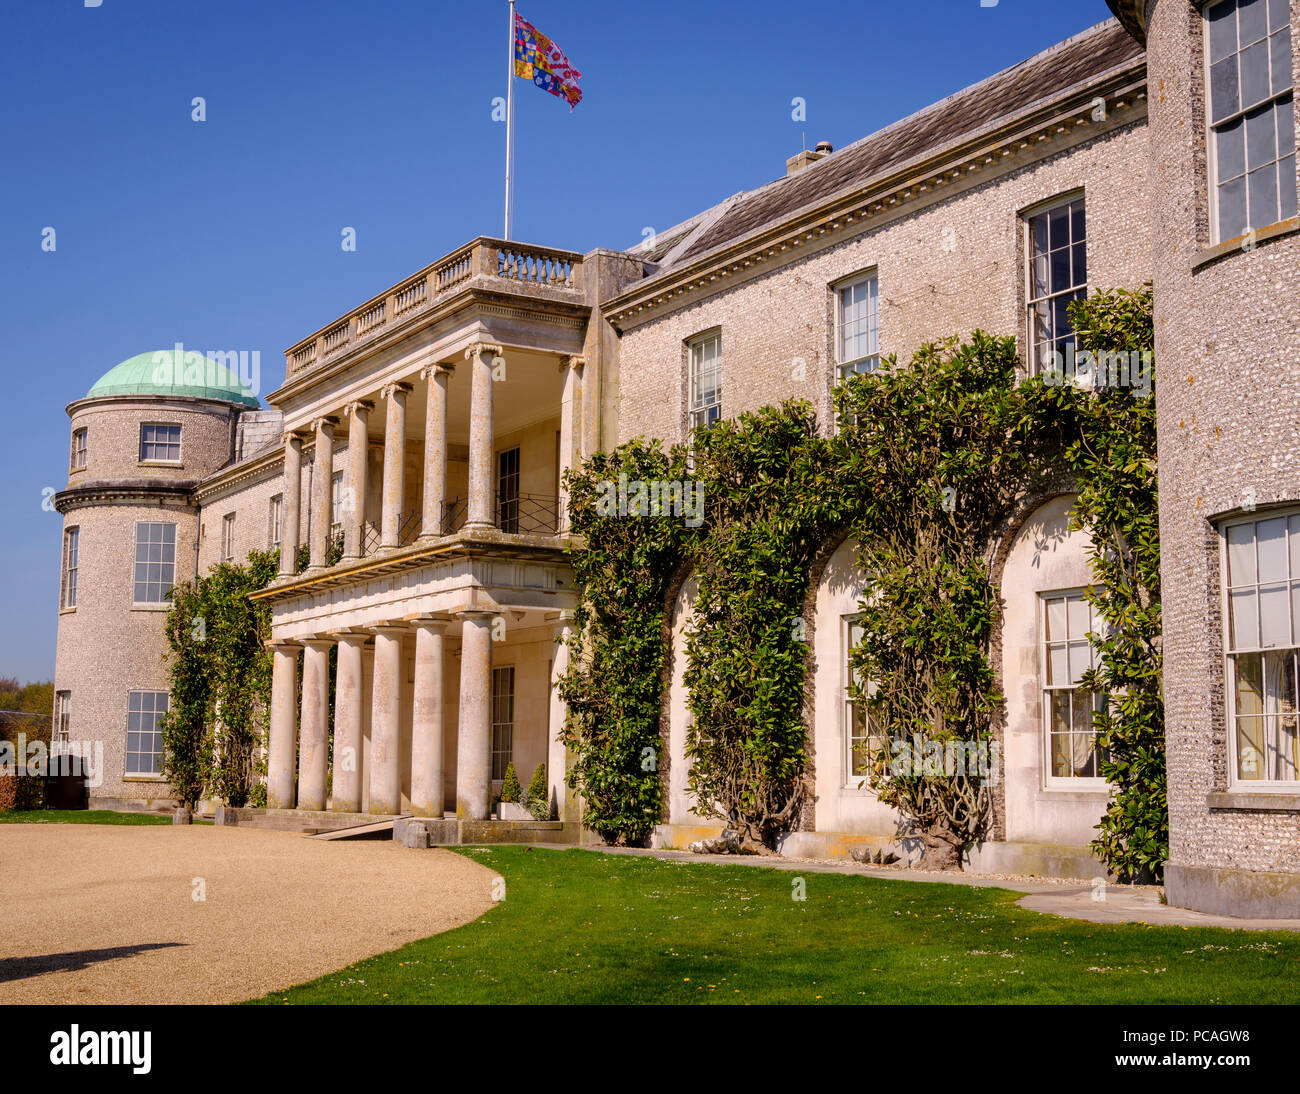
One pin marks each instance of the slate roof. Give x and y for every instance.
(963, 115)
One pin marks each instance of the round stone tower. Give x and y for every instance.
(1226, 242)
(142, 438)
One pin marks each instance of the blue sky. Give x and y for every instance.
(377, 115)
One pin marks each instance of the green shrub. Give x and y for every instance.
(510, 788)
(536, 799)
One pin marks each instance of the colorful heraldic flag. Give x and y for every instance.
(539, 59)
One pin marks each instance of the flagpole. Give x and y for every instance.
(510, 124)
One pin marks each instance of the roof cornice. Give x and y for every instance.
(125, 492)
(1133, 15)
(1005, 146)
(240, 474)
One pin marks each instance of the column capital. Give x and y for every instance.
(476, 349)
(397, 387)
(574, 361)
(350, 634)
(358, 406)
(317, 640)
(388, 628)
(289, 645)
(323, 422)
(438, 623)
(438, 368)
(296, 436)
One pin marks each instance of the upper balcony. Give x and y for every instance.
(491, 266)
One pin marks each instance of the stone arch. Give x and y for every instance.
(1038, 554)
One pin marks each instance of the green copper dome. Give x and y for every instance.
(172, 372)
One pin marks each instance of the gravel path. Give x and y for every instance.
(107, 914)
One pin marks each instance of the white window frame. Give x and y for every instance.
(163, 601)
(1212, 127)
(164, 461)
(1230, 649)
(704, 414)
(869, 362)
(80, 448)
(505, 726)
(1051, 781)
(71, 564)
(336, 504)
(275, 517)
(228, 537)
(850, 781)
(62, 715)
(129, 752)
(1028, 217)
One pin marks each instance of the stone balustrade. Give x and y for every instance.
(503, 266)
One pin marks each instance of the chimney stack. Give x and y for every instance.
(806, 158)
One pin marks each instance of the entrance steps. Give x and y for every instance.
(406, 829)
(322, 824)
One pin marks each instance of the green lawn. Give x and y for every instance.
(82, 816)
(583, 927)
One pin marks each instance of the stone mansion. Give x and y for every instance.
(431, 426)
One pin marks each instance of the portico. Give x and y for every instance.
(426, 438)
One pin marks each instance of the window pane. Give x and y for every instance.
(1280, 61)
(1223, 31)
(1274, 625)
(1263, 196)
(1248, 685)
(1245, 619)
(1279, 14)
(1241, 554)
(1059, 227)
(1078, 222)
(1261, 138)
(1271, 537)
(1287, 187)
(1080, 660)
(1232, 208)
(1058, 666)
(1230, 148)
(1252, 20)
(1255, 70)
(1250, 748)
(1223, 89)
(1056, 630)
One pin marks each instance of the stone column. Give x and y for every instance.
(289, 505)
(282, 746)
(427, 719)
(354, 479)
(474, 742)
(435, 450)
(570, 430)
(394, 464)
(346, 797)
(322, 475)
(557, 764)
(481, 492)
(313, 751)
(385, 722)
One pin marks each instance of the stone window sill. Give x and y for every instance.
(151, 607)
(161, 463)
(142, 779)
(1208, 255)
(1255, 800)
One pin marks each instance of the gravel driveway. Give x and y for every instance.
(110, 914)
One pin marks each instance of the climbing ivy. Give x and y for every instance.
(1112, 456)
(936, 456)
(620, 646)
(774, 496)
(220, 683)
